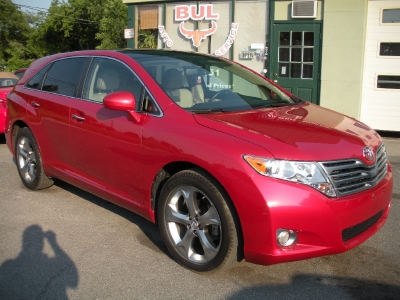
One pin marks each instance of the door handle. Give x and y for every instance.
(78, 118)
(35, 104)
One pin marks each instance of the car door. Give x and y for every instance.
(106, 144)
(52, 90)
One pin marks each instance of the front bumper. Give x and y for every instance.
(323, 225)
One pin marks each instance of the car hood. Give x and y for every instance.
(300, 132)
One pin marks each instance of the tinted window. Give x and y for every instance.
(36, 81)
(63, 76)
(389, 49)
(388, 82)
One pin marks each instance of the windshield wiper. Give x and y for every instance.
(276, 104)
(206, 111)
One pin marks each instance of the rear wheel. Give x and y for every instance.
(196, 223)
(29, 161)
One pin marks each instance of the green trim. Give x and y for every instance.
(130, 43)
(270, 36)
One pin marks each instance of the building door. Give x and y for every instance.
(295, 59)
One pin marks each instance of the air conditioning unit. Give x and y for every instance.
(304, 9)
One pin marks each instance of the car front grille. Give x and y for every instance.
(355, 230)
(352, 175)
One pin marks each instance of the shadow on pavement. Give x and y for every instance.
(321, 287)
(153, 241)
(35, 274)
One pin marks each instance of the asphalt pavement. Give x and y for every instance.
(63, 243)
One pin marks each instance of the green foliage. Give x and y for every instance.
(68, 25)
(14, 32)
(147, 38)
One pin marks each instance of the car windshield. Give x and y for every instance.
(204, 84)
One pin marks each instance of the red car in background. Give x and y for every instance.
(7, 82)
(227, 163)
(20, 72)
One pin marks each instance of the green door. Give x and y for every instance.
(295, 59)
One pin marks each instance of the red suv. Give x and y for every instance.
(228, 164)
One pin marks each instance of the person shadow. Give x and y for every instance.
(35, 274)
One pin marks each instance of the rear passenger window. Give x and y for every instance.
(64, 75)
(37, 80)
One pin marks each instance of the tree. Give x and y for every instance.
(14, 32)
(112, 24)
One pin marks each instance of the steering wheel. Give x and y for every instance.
(218, 94)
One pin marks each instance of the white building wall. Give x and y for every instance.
(380, 108)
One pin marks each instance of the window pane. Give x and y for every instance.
(296, 54)
(389, 49)
(107, 76)
(391, 15)
(308, 38)
(388, 82)
(283, 54)
(283, 70)
(308, 55)
(284, 38)
(307, 71)
(296, 70)
(63, 76)
(297, 38)
(35, 82)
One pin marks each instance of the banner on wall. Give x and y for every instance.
(202, 12)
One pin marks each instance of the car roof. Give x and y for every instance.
(8, 75)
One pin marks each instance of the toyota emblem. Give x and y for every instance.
(368, 153)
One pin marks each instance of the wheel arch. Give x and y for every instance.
(174, 167)
(17, 126)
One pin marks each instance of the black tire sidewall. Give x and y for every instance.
(38, 181)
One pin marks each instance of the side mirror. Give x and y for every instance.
(122, 101)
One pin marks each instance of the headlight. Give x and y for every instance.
(308, 173)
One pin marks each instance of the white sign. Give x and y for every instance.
(229, 41)
(129, 33)
(257, 46)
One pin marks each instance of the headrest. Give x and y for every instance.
(108, 79)
(7, 82)
(172, 79)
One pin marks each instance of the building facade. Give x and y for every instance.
(340, 54)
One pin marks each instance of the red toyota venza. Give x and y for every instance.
(228, 164)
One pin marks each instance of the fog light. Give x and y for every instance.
(286, 237)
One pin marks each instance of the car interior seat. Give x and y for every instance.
(172, 83)
(196, 89)
(107, 82)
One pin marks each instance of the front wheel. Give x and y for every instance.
(29, 161)
(196, 222)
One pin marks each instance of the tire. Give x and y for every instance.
(198, 227)
(29, 161)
